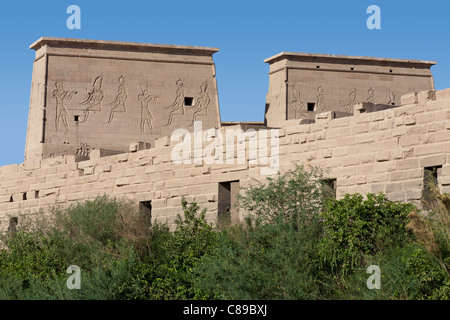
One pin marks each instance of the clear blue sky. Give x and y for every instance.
(245, 31)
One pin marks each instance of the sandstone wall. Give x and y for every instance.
(106, 94)
(302, 85)
(369, 152)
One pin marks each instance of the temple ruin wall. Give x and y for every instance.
(368, 152)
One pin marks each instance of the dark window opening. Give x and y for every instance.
(11, 199)
(227, 196)
(318, 67)
(36, 194)
(24, 196)
(224, 203)
(76, 118)
(12, 228)
(430, 189)
(188, 101)
(311, 106)
(352, 68)
(145, 211)
(329, 187)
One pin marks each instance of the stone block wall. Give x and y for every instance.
(106, 94)
(302, 85)
(380, 151)
(385, 150)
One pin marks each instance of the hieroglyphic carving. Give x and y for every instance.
(146, 116)
(177, 107)
(275, 97)
(94, 99)
(118, 105)
(371, 97)
(320, 105)
(348, 106)
(392, 96)
(202, 103)
(83, 150)
(61, 112)
(296, 104)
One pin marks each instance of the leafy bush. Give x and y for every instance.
(292, 198)
(268, 262)
(273, 255)
(355, 228)
(30, 260)
(295, 244)
(192, 238)
(91, 235)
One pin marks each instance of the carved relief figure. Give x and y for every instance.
(320, 105)
(296, 104)
(177, 107)
(371, 97)
(275, 97)
(348, 107)
(146, 116)
(118, 105)
(61, 112)
(83, 150)
(391, 98)
(202, 102)
(94, 99)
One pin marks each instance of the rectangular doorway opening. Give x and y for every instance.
(145, 211)
(329, 187)
(227, 212)
(431, 186)
(12, 228)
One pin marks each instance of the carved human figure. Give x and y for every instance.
(296, 104)
(61, 112)
(94, 99)
(371, 97)
(391, 98)
(146, 116)
(320, 105)
(350, 101)
(118, 105)
(278, 97)
(177, 107)
(202, 103)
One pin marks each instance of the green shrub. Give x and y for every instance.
(266, 262)
(410, 272)
(93, 221)
(90, 235)
(292, 198)
(295, 244)
(355, 228)
(183, 249)
(273, 255)
(30, 254)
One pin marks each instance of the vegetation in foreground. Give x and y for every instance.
(297, 243)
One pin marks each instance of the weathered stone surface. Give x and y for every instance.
(375, 150)
(443, 94)
(426, 95)
(108, 94)
(302, 85)
(409, 98)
